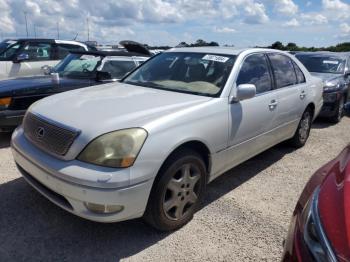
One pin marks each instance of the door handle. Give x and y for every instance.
(273, 104)
(302, 95)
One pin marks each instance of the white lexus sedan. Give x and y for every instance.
(148, 146)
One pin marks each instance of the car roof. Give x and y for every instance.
(110, 53)
(343, 55)
(222, 50)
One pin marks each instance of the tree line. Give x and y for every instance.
(342, 47)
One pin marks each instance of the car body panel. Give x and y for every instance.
(231, 131)
(333, 205)
(332, 96)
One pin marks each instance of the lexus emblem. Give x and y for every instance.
(40, 132)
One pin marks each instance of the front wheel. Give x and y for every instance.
(302, 134)
(177, 192)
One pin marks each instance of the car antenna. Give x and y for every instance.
(75, 38)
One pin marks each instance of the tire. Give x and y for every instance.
(303, 131)
(177, 191)
(339, 111)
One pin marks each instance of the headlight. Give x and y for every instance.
(115, 149)
(332, 85)
(5, 102)
(314, 235)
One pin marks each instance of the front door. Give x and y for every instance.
(40, 54)
(251, 120)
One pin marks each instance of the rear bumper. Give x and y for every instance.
(10, 119)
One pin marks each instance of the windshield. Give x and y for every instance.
(323, 64)
(78, 66)
(194, 73)
(8, 48)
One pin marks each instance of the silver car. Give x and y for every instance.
(149, 145)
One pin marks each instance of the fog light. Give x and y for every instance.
(103, 209)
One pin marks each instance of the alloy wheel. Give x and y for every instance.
(305, 126)
(182, 192)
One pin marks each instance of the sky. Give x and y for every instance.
(242, 23)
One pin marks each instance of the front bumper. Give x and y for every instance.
(330, 103)
(73, 196)
(10, 119)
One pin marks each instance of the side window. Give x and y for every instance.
(63, 49)
(118, 69)
(283, 70)
(255, 71)
(38, 51)
(300, 74)
(10, 52)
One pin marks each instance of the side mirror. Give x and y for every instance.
(21, 57)
(244, 92)
(46, 69)
(347, 72)
(347, 109)
(103, 76)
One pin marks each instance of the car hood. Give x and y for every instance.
(334, 205)
(105, 108)
(39, 84)
(327, 77)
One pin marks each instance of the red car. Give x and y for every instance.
(320, 227)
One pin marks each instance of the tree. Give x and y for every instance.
(291, 47)
(213, 44)
(182, 44)
(277, 45)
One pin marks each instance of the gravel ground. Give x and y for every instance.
(244, 218)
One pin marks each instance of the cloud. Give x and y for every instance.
(345, 29)
(255, 13)
(314, 19)
(292, 23)
(286, 7)
(224, 30)
(336, 9)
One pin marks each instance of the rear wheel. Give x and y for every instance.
(339, 111)
(302, 134)
(177, 192)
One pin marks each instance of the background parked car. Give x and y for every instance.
(149, 145)
(320, 226)
(79, 69)
(24, 57)
(334, 69)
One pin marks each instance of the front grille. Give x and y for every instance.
(47, 136)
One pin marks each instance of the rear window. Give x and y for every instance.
(118, 69)
(64, 49)
(300, 74)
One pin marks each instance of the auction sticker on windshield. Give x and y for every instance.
(216, 58)
(331, 62)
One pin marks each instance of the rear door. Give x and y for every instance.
(291, 92)
(251, 120)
